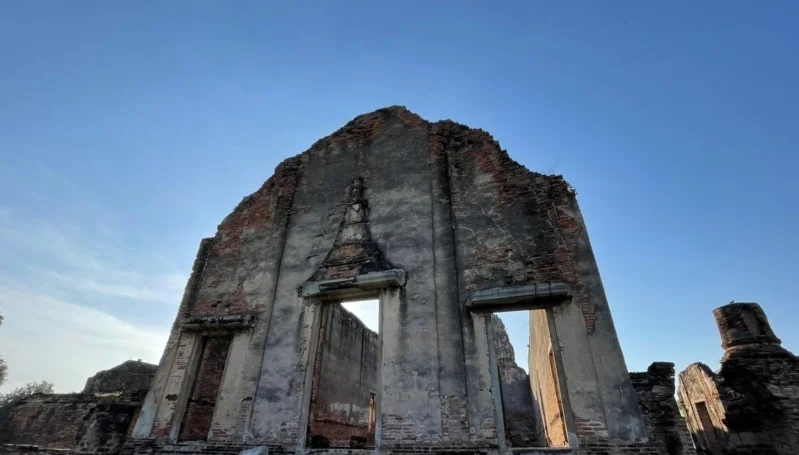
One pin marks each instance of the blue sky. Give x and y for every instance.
(129, 130)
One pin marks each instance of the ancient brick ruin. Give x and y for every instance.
(655, 390)
(751, 405)
(443, 231)
(96, 420)
(437, 224)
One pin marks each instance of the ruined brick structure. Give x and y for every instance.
(751, 405)
(438, 224)
(129, 377)
(96, 420)
(655, 389)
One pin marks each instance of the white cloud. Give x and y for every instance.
(94, 261)
(44, 338)
(165, 289)
(70, 296)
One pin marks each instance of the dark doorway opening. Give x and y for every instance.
(205, 389)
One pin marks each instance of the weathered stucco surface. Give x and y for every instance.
(446, 206)
(437, 223)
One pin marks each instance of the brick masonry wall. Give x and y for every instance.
(513, 227)
(255, 222)
(508, 225)
(704, 411)
(30, 450)
(83, 423)
(130, 376)
(200, 407)
(655, 391)
(766, 387)
(617, 448)
(454, 420)
(752, 403)
(543, 247)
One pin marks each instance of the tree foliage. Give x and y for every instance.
(27, 390)
(20, 392)
(3, 366)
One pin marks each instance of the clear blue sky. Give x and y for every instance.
(128, 130)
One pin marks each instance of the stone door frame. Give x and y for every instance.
(380, 285)
(538, 296)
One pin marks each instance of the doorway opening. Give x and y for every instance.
(708, 429)
(344, 394)
(529, 384)
(208, 377)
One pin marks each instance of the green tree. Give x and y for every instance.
(3, 366)
(20, 392)
(27, 390)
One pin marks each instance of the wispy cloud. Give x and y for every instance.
(89, 262)
(44, 338)
(137, 287)
(78, 299)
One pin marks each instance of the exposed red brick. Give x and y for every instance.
(751, 405)
(200, 408)
(547, 197)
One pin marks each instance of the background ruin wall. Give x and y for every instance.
(521, 413)
(345, 379)
(130, 376)
(656, 396)
(98, 420)
(751, 404)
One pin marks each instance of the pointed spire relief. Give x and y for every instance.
(354, 252)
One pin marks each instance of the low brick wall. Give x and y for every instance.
(655, 392)
(82, 423)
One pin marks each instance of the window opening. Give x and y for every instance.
(345, 381)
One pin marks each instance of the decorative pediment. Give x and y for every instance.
(354, 252)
